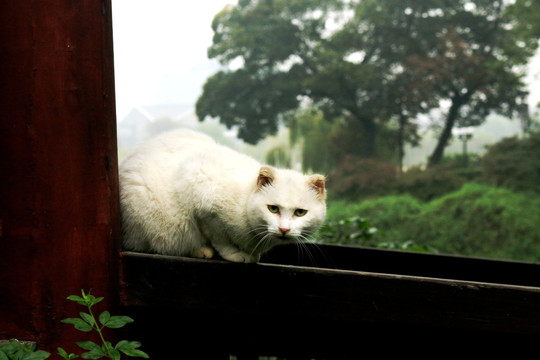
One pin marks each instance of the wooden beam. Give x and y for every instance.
(291, 310)
(59, 224)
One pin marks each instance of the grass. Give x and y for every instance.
(476, 220)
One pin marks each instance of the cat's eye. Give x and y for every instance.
(300, 212)
(273, 209)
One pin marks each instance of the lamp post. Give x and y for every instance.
(523, 111)
(464, 134)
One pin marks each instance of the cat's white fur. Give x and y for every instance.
(183, 194)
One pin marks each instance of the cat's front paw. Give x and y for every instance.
(240, 257)
(203, 252)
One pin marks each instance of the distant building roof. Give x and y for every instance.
(135, 126)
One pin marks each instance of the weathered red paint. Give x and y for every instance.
(59, 220)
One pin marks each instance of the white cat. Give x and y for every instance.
(183, 194)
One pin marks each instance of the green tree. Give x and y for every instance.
(315, 135)
(278, 156)
(270, 38)
(293, 52)
(477, 64)
(367, 63)
(524, 24)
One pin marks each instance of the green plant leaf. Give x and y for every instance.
(116, 322)
(88, 299)
(88, 345)
(36, 355)
(104, 317)
(88, 318)
(110, 351)
(92, 300)
(107, 346)
(114, 354)
(77, 299)
(130, 348)
(87, 322)
(79, 324)
(63, 353)
(93, 354)
(3, 355)
(137, 353)
(12, 350)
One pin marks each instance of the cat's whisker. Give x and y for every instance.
(305, 244)
(303, 248)
(264, 239)
(322, 253)
(258, 230)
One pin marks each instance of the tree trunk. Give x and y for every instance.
(438, 152)
(401, 143)
(369, 137)
(359, 136)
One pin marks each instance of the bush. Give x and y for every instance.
(481, 220)
(514, 163)
(361, 178)
(341, 209)
(349, 231)
(431, 183)
(476, 220)
(386, 211)
(347, 222)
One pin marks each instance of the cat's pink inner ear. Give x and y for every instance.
(317, 182)
(266, 176)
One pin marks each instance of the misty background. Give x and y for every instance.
(161, 64)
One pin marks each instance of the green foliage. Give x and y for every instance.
(341, 209)
(384, 212)
(279, 157)
(384, 61)
(87, 322)
(431, 183)
(310, 128)
(15, 350)
(524, 16)
(514, 163)
(265, 35)
(476, 220)
(351, 230)
(360, 178)
(344, 224)
(480, 220)
(511, 163)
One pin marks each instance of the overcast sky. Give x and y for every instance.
(160, 51)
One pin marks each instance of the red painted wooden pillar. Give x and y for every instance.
(59, 223)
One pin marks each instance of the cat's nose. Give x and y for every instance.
(284, 230)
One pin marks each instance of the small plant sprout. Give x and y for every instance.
(87, 322)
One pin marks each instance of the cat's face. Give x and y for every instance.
(287, 207)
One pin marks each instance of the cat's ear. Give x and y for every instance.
(317, 183)
(266, 177)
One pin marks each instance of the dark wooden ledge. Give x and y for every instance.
(322, 302)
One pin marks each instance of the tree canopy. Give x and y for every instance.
(367, 63)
